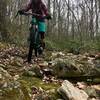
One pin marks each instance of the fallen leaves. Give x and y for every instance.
(12, 60)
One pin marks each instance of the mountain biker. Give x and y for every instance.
(38, 7)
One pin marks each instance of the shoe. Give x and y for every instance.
(40, 50)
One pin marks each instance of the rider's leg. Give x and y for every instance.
(42, 29)
(42, 35)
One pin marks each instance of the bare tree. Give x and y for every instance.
(3, 27)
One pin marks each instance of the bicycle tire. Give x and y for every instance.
(35, 43)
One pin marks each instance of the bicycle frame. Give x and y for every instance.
(35, 41)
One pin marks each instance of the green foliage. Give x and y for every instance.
(53, 43)
(74, 46)
(62, 44)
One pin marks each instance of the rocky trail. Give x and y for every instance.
(56, 76)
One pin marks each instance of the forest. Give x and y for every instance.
(68, 69)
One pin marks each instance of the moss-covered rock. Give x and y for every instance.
(70, 65)
(10, 88)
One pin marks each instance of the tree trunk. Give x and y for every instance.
(3, 27)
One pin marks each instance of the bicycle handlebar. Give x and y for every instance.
(32, 14)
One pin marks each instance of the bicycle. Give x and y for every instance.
(35, 40)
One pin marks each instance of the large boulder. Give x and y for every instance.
(69, 92)
(75, 65)
(64, 68)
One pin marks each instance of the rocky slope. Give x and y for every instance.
(42, 79)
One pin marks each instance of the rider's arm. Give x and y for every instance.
(44, 9)
(27, 6)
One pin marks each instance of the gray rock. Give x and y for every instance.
(68, 91)
(64, 68)
(29, 73)
(91, 92)
(4, 73)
